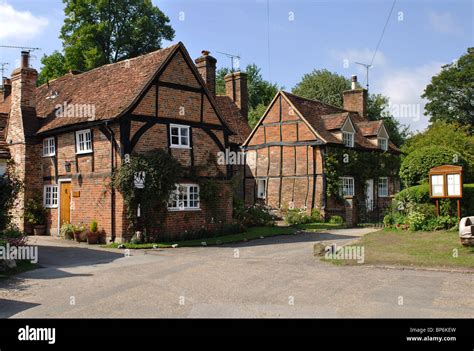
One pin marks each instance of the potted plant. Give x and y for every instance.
(80, 233)
(67, 231)
(35, 215)
(93, 233)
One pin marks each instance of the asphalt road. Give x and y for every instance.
(273, 277)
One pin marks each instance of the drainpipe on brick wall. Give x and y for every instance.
(112, 169)
(323, 172)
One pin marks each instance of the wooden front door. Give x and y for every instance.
(65, 210)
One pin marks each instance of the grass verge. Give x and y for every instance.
(251, 234)
(314, 227)
(440, 249)
(21, 266)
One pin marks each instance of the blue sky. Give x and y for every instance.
(301, 35)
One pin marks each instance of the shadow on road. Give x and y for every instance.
(63, 256)
(9, 308)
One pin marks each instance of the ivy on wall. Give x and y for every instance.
(161, 174)
(362, 165)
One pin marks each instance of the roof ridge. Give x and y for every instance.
(316, 101)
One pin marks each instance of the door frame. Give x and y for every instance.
(62, 180)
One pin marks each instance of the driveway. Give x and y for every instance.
(272, 277)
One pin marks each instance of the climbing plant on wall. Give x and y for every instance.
(362, 165)
(160, 174)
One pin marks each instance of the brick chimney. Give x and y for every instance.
(355, 100)
(22, 124)
(206, 65)
(236, 89)
(6, 88)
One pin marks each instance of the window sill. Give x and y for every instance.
(49, 207)
(180, 147)
(183, 210)
(84, 152)
(45, 156)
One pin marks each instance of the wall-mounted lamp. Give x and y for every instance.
(67, 166)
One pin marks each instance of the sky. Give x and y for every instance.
(289, 38)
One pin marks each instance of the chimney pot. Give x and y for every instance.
(25, 59)
(354, 82)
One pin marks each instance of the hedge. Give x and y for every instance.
(420, 194)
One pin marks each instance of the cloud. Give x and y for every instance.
(404, 87)
(444, 22)
(19, 24)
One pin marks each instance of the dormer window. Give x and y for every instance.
(49, 147)
(383, 143)
(348, 139)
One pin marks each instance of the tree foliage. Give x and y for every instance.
(54, 66)
(261, 92)
(97, 32)
(415, 167)
(10, 187)
(328, 87)
(451, 93)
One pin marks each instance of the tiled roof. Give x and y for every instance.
(334, 121)
(5, 105)
(111, 88)
(234, 119)
(325, 119)
(369, 128)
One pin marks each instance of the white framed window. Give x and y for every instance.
(184, 197)
(348, 139)
(347, 186)
(179, 136)
(49, 147)
(383, 143)
(83, 141)
(50, 196)
(261, 188)
(383, 187)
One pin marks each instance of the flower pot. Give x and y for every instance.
(29, 229)
(92, 237)
(80, 237)
(39, 229)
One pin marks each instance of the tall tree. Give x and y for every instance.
(54, 66)
(261, 92)
(97, 32)
(327, 87)
(451, 93)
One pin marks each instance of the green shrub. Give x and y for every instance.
(93, 226)
(415, 166)
(316, 216)
(10, 186)
(297, 216)
(35, 212)
(416, 220)
(336, 219)
(256, 215)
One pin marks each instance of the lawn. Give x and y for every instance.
(251, 234)
(405, 248)
(315, 227)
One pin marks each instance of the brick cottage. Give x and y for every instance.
(68, 136)
(286, 155)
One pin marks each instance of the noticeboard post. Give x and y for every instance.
(446, 183)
